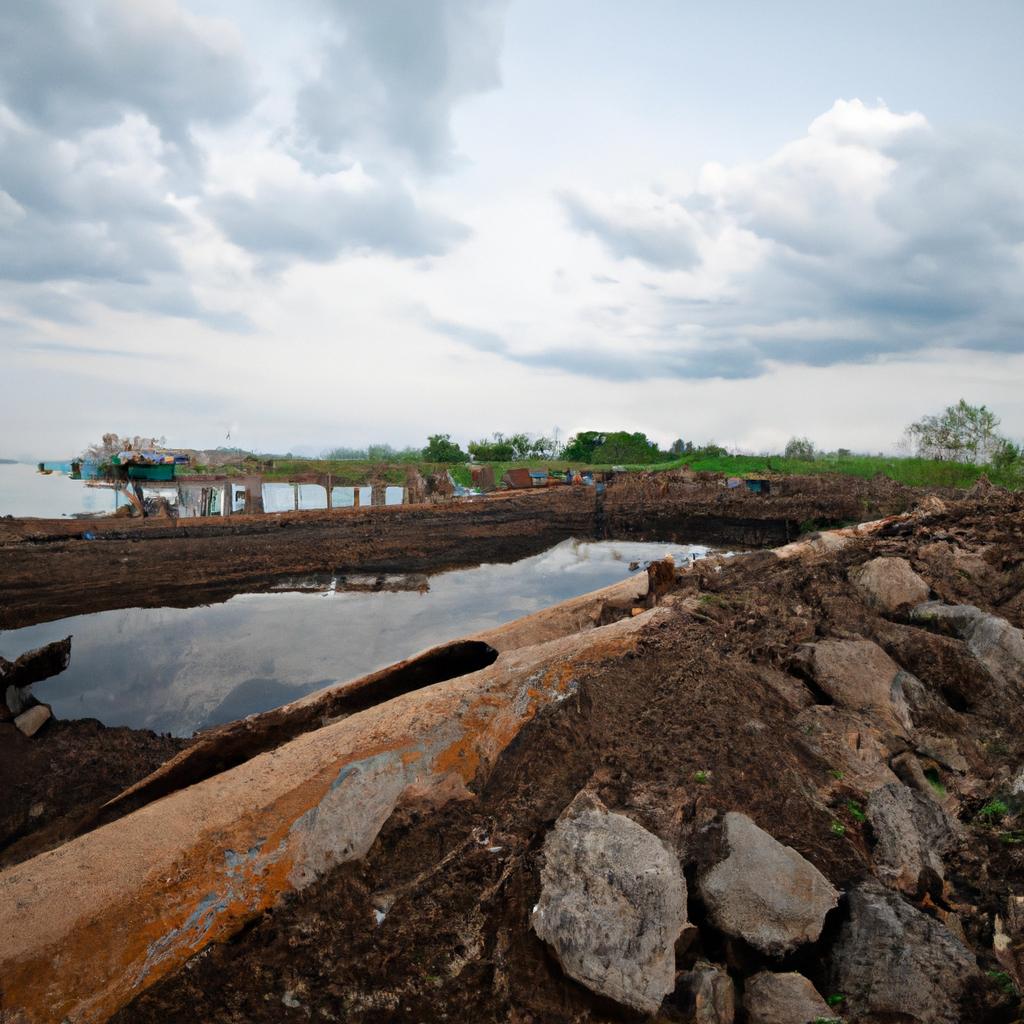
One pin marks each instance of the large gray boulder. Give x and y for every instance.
(763, 892)
(992, 640)
(893, 962)
(612, 904)
(912, 833)
(782, 999)
(890, 585)
(859, 675)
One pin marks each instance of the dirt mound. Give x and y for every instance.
(713, 712)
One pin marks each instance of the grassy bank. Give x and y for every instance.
(908, 471)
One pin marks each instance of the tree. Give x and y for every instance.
(599, 446)
(801, 448)
(441, 448)
(961, 433)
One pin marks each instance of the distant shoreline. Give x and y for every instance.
(8, 462)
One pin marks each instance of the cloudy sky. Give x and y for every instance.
(339, 221)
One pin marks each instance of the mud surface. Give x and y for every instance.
(65, 773)
(51, 569)
(710, 715)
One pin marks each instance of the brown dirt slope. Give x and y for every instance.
(711, 714)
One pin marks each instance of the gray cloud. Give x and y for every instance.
(321, 220)
(875, 237)
(667, 245)
(391, 73)
(69, 66)
(733, 361)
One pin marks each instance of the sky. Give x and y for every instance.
(229, 222)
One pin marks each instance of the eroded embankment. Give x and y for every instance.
(800, 691)
(824, 740)
(50, 569)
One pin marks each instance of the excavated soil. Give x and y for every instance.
(64, 773)
(709, 715)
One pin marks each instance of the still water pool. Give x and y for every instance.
(181, 669)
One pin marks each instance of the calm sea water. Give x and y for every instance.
(181, 669)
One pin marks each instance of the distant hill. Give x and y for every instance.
(8, 462)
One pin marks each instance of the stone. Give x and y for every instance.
(612, 904)
(763, 892)
(892, 962)
(858, 674)
(32, 720)
(912, 833)
(992, 640)
(710, 994)
(889, 585)
(782, 999)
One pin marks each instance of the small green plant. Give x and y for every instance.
(856, 812)
(836, 774)
(935, 781)
(1003, 981)
(994, 811)
(828, 1020)
(836, 999)
(1014, 838)
(702, 775)
(837, 828)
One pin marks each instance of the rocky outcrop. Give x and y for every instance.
(857, 674)
(890, 585)
(763, 892)
(893, 962)
(782, 999)
(612, 904)
(709, 993)
(992, 640)
(912, 833)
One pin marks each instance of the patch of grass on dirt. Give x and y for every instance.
(911, 472)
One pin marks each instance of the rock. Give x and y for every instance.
(31, 721)
(782, 999)
(710, 994)
(893, 962)
(763, 892)
(912, 834)
(858, 674)
(944, 750)
(992, 640)
(612, 904)
(929, 505)
(890, 585)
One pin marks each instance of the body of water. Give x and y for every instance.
(181, 669)
(25, 492)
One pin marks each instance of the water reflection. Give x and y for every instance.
(177, 670)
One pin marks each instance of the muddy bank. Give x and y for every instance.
(683, 504)
(712, 712)
(67, 771)
(51, 569)
(802, 689)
